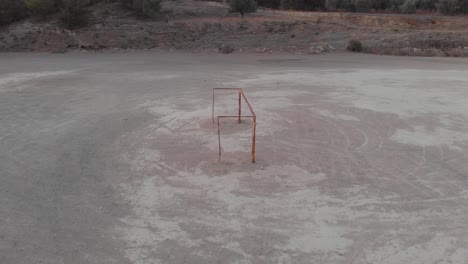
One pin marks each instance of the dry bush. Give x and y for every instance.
(354, 45)
(243, 6)
(449, 7)
(74, 14)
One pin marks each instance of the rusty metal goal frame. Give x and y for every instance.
(239, 116)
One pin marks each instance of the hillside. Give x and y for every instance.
(197, 26)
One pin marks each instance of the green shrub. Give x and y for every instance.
(74, 14)
(409, 7)
(427, 4)
(449, 7)
(331, 5)
(11, 11)
(354, 45)
(362, 6)
(295, 5)
(395, 5)
(269, 3)
(150, 8)
(127, 3)
(347, 5)
(146, 8)
(444, 6)
(243, 6)
(41, 7)
(379, 4)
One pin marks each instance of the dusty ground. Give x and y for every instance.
(111, 158)
(199, 26)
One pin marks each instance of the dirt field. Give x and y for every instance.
(112, 158)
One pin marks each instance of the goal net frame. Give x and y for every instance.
(239, 117)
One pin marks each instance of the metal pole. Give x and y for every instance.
(240, 107)
(212, 106)
(219, 143)
(253, 137)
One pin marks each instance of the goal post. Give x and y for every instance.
(241, 99)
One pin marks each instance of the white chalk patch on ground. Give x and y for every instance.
(459, 256)
(320, 237)
(146, 229)
(160, 107)
(233, 143)
(319, 231)
(19, 81)
(274, 79)
(423, 137)
(406, 93)
(437, 250)
(143, 159)
(328, 113)
(403, 92)
(153, 76)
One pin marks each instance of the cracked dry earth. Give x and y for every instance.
(360, 159)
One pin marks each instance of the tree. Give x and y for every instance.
(409, 7)
(331, 5)
(146, 8)
(74, 14)
(41, 7)
(243, 6)
(362, 5)
(11, 11)
(449, 7)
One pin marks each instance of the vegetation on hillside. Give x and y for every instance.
(145, 8)
(73, 13)
(11, 11)
(243, 6)
(447, 7)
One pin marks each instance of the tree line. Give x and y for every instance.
(73, 13)
(446, 7)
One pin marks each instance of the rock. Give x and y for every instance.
(225, 49)
(321, 48)
(263, 50)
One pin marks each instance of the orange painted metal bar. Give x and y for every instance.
(254, 132)
(219, 142)
(248, 104)
(240, 107)
(212, 107)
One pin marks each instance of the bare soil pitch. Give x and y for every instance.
(112, 158)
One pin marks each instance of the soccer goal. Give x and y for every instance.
(241, 100)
